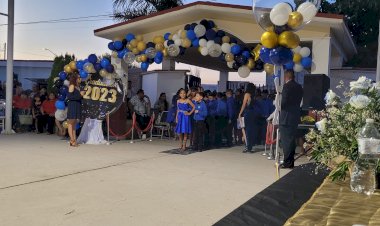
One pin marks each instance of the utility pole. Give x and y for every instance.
(5, 50)
(9, 83)
(378, 59)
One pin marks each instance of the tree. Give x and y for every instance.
(362, 18)
(128, 9)
(59, 63)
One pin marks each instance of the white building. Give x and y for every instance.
(27, 70)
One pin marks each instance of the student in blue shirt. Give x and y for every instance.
(221, 120)
(231, 115)
(210, 120)
(267, 108)
(200, 115)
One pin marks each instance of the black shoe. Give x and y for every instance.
(282, 166)
(245, 150)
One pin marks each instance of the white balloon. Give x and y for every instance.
(210, 43)
(178, 42)
(305, 52)
(175, 37)
(297, 49)
(204, 51)
(230, 64)
(179, 33)
(297, 68)
(66, 83)
(203, 42)
(200, 30)
(215, 50)
(244, 71)
(279, 15)
(166, 43)
(308, 11)
(226, 48)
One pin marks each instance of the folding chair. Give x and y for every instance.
(161, 125)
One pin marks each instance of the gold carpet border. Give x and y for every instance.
(333, 203)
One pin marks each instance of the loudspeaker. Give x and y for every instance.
(315, 88)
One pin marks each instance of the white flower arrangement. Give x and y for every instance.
(359, 101)
(321, 125)
(331, 98)
(362, 83)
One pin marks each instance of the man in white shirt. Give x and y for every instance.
(140, 104)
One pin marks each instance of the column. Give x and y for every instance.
(168, 65)
(321, 56)
(223, 79)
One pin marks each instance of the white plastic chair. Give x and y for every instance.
(2, 114)
(161, 125)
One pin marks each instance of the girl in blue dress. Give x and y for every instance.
(184, 109)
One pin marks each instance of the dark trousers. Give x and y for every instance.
(288, 142)
(262, 128)
(198, 135)
(210, 125)
(228, 131)
(220, 126)
(40, 123)
(43, 120)
(142, 121)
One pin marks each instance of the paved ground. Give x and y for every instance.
(44, 182)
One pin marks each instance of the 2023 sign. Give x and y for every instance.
(104, 94)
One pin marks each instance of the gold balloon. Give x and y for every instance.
(141, 46)
(134, 43)
(159, 46)
(135, 51)
(269, 69)
(171, 37)
(183, 34)
(297, 58)
(114, 54)
(138, 59)
(251, 63)
(200, 48)
(143, 58)
(73, 65)
(229, 57)
(269, 39)
(65, 124)
(103, 73)
(129, 46)
(67, 69)
(256, 52)
(295, 20)
(165, 52)
(289, 39)
(186, 43)
(139, 38)
(226, 39)
(158, 39)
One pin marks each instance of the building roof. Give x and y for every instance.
(29, 63)
(236, 20)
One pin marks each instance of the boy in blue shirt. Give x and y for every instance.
(200, 115)
(231, 115)
(210, 120)
(220, 119)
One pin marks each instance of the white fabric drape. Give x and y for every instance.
(92, 132)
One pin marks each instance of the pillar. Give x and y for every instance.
(168, 65)
(321, 56)
(223, 79)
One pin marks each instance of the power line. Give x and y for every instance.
(67, 20)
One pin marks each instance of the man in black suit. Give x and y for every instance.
(292, 93)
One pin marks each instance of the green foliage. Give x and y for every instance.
(128, 9)
(59, 63)
(362, 18)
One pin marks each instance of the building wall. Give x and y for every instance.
(27, 69)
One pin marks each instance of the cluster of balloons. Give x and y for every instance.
(280, 42)
(204, 35)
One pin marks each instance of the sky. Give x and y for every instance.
(78, 38)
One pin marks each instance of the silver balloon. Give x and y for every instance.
(129, 58)
(88, 67)
(200, 30)
(150, 52)
(215, 50)
(173, 50)
(60, 115)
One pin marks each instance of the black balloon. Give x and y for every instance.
(222, 57)
(211, 24)
(170, 42)
(280, 29)
(205, 23)
(58, 83)
(125, 42)
(187, 27)
(221, 33)
(151, 45)
(193, 25)
(259, 65)
(151, 60)
(218, 40)
(233, 40)
(210, 34)
(240, 59)
(182, 50)
(236, 65)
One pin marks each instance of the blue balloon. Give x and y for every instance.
(193, 25)
(80, 64)
(85, 61)
(233, 40)
(218, 40)
(61, 97)
(281, 55)
(118, 45)
(236, 49)
(110, 68)
(121, 53)
(63, 90)
(60, 105)
(92, 58)
(191, 35)
(83, 74)
(210, 34)
(157, 59)
(246, 54)
(221, 33)
(159, 54)
(77, 126)
(289, 66)
(62, 75)
(166, 36)
(105, 62)
(97, 67)
(144, 66)
(130, 37)
(195, 42)
(211, 24)
(111, 46)
(264, 55)
(306, 62)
